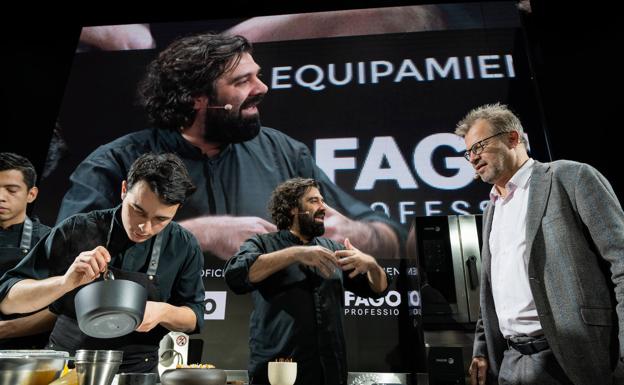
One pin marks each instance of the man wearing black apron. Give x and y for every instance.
(18, 234)
(137, 241)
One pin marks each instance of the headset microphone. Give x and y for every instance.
(227, 107)
(476, 175)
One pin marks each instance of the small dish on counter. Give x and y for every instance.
(194, 376)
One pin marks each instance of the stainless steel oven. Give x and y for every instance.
(448, 250)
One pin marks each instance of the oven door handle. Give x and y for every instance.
(471, 264)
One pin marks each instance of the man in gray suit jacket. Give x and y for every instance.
(552, 285)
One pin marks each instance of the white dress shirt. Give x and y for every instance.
(515, 307)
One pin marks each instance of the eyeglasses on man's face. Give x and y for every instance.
(478, 147)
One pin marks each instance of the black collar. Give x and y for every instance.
(286, 234)
(175, 142)
(16, 228)
(119, 238)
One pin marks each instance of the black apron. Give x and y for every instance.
(9, 258)
(140, 349)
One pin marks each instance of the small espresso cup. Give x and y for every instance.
(282, 373)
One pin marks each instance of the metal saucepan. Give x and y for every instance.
(110, 308)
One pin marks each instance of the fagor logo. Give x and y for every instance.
(214, 305)
(384, 306)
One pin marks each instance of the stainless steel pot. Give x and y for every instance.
(97, 367)
(31, 367)
(110, 308)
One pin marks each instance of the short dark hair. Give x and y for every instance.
(285, 197)
(187, 69)
(12, 161)
(165, 174)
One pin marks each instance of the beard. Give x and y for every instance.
(308, 227)
(493, 173)
(224, 126)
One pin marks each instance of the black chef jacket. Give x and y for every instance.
(297, 313)
(178, 274)
(11, 253)
(238, 181)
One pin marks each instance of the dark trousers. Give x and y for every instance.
(539, 368)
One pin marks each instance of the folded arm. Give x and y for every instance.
(39, 322)
(374, 238)
(222, 235)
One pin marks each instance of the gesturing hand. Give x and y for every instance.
(354, 259)
(87, 266)
(318, 256)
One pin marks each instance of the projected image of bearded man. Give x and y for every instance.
(237, 125)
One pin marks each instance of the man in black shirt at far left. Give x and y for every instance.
(297, 281)
(18, 234)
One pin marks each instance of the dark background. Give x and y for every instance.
(573, 50)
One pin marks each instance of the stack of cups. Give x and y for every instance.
(97, 367)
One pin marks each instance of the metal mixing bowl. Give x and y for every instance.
(31, 367)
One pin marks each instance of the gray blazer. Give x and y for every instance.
(575, 234)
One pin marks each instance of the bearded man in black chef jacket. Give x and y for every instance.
(202, 94)
(297, 281)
